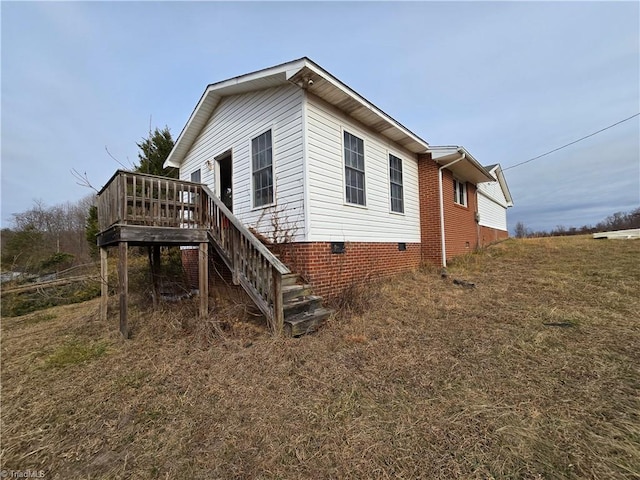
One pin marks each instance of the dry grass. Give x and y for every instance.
(430, 380)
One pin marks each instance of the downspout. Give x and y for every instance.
(444, 244)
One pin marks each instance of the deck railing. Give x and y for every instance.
(146, 200)
(139, 199)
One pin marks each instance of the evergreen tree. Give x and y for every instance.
(154, 150)
(91, 230)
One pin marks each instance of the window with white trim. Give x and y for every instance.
(262, 163)
(354, 169)
(395, 184)
(195, 178)
(459, 192)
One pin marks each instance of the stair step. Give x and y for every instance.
(308, 303)
(291, 292)
(305, 322)
(291, 279)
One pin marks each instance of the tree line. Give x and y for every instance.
(45, 239)
(616, 221)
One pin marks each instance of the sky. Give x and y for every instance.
(506, 80)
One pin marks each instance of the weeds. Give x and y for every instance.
(16, 304)
(355, 299)
(75, 352)
(426, 380)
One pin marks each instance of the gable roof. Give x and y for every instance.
(496, 171)
(308, 75)
(305, 74)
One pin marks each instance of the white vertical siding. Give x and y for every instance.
(234, 122)
(492, 206)
(330, 218)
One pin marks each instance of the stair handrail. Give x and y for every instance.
(270, 257)
(263, 282)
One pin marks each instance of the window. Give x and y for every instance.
(262, 162)
(195, 178)
(354, 169)
(395, 179)
(459, 192)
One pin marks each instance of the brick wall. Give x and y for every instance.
(330, 273)
(461, 229)
(462, 232)
(217, 268)
(190, 267)
(490, 235)
(431, 250)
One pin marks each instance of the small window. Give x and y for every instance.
(354, 169)
(459, 192)
(262, 162)
(395, 180)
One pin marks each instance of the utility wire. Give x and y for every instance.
(575, 141)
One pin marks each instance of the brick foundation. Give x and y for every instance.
(217, 268)
(330, 273)
(490, 235)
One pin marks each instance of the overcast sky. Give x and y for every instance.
(507, 80)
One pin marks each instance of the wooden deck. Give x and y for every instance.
(136, 209)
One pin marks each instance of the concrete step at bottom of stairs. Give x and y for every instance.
(305, 322)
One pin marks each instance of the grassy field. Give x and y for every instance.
(533, 374)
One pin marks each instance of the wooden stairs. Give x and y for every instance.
(303, 311)
(141, 209)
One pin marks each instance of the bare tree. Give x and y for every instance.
(520, 230)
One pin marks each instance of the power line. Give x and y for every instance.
(571, 143)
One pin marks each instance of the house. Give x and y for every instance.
(343, 191)
(493, 200)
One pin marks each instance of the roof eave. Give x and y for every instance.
(410, 141)
(468, 169)
(503, 185)
(292, 72)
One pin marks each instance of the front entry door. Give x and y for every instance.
(224, 184)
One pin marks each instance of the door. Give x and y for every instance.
(224, 183)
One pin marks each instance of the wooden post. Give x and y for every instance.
(155, 260)
(278, 307)
(124, 288)
(236, 241)
(104, 285)
(203, 279)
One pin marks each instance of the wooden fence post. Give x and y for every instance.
(124, 288)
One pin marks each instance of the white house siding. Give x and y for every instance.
(492, 206)
(330, 218)
(235, 121)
